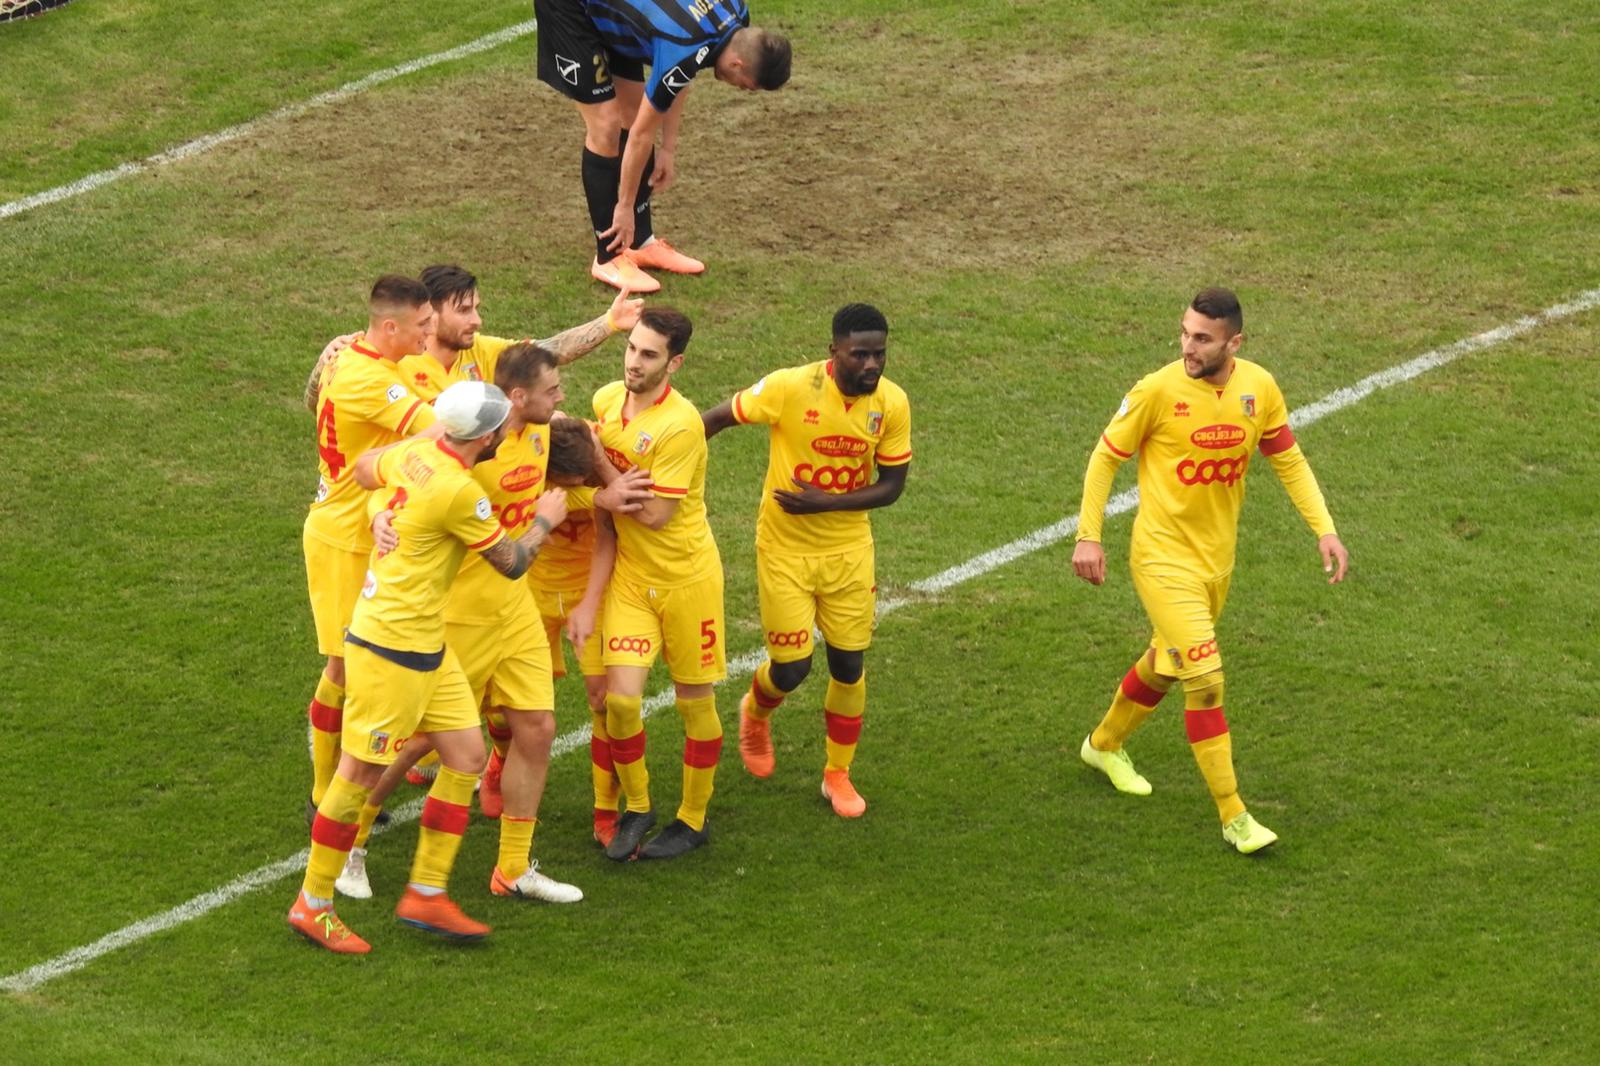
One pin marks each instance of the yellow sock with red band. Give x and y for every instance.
(625, 726)
(445, 814)
(499, 733)
(842, 706)
(1211, 743)
(1140, 691)
(601, 769)
(516, 846)
(327, 719)
(702, 747)
(765, 697)
(369, 814)
(333, 834)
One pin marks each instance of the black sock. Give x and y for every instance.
(642, 230)
(600, 176)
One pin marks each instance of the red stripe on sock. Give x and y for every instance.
(628, 749)
(445, 817)
(500, 734)
(1135, 689)
(843, 729)
(325, 719)
(1204, 724)
(600, 752)
(341, 836)
(701, 754)
(764, 700)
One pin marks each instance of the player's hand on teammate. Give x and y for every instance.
(623, 314)
(552, 506)
(665, 173)
(807, 499)
(621, 231)
(337, 345)
(384, 537)
(1089, 562)
(1335, 560)
(628, 491)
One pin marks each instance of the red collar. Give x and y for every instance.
(444, 448)
(625, 394)
(356, 346)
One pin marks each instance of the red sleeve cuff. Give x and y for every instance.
(487, 541)
(662, 490)
(1116, 450)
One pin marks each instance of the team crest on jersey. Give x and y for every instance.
(1249, 405)
(642, 445)
(874, 422)
(473, 373)
(377, 743)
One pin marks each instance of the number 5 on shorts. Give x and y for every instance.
(708, 630)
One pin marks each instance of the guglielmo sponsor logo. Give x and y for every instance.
(839, 446)
(521, 479)
(1219, 436)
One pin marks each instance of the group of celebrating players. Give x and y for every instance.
(462, 525)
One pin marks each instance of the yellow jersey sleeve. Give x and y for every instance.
(1131, 424)
(762, 403)
(894, 447)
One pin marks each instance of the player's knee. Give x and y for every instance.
(845, 667)
(788, 676)
(1204, 691)
(595, 689)
(602, 129)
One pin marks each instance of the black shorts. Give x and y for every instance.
(573, 58)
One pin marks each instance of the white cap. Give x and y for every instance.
(469, 409)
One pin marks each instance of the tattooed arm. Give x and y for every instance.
(329, 354)
(573, 344)
(513, 557)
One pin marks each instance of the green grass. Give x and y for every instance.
(1030, 191)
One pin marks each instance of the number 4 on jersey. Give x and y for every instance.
(328, 442)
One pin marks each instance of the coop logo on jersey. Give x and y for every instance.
(675, 80)
(1218, 437)
(377, 743)
(369, 587)
(839, 446)
(1223, 471)
(568, 69)
(1249, 405)
(484, 509)
(874, 422)
(396, 391)
(843, 478)
(521, 479)
(642, 445)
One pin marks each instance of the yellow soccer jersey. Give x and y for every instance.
(1194, 443)
(440, 514)
(363, 405)
(820, 438)
(563, 562)
(513, 480)
(428, 379)
(669, 440)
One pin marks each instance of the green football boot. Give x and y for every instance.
(1115, 765)
(1247, 835)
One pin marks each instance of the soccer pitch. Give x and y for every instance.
(1031, 192)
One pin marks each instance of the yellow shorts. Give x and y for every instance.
(683, 624)
(554, 607)
(386, 703)
(1184, 611)
(836, 593)
(334, 577)
(508, 662)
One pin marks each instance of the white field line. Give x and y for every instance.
(243, 129)
(742, 666)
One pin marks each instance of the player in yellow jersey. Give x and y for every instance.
(571, 600)
(403, 679)
(665, 592)
(363, 404)
(1194, 424)
(840, 446)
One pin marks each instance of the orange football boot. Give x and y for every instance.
(755, 740)
(621, 273)
(323, 928)
(837, 789)
(605, 826)
(659, 255)
(438, 914)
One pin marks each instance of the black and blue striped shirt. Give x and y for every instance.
(678, 38)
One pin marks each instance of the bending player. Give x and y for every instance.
(1193, 424)
(833, 423)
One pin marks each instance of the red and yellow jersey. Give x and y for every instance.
(563, 562)
(820, 437)
(428, 379)
(1194, 443)
(363, 404)
(440, 514)
(669, 440)
(513, 480)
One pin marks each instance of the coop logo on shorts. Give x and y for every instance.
(642, 445)
(396, 391)
(874, 423)
(568, 69)
(638, 645)
(1218, 437)
(1202, 651)
(798, 638)
(675, 80)
(1223, 471)
(484, 509)
(369, 587)
(377, 743)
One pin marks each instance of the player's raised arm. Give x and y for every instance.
(573, 344)
(329, 354)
